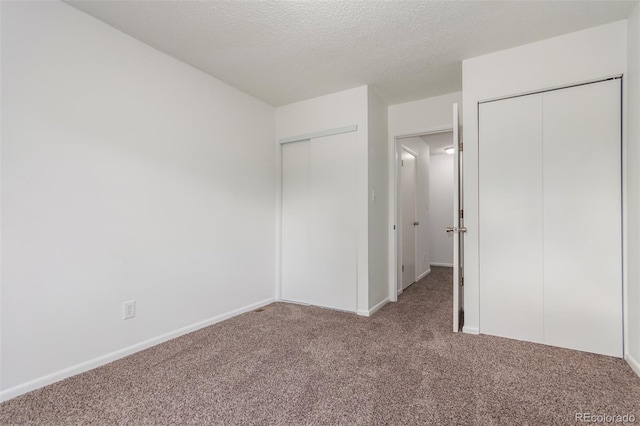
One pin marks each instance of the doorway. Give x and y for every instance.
(424, 205)
(449, 142)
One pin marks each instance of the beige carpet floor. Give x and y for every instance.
(299, 365)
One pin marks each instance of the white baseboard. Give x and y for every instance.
(377, 307)
(113, 356)
(446, 265)
(633, 363)
(369, 312)
(470, 330)
(424, 274)
(293, 302)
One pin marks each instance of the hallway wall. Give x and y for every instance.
(441, 193)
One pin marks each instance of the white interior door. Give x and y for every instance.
(582, 218)
(319, 234)
(510, 218)
(409, 221)
(457, 225)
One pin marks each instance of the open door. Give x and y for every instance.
(408, 185)
(457, 227)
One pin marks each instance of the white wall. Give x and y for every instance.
(423, 237)
(126, 174)
(441, 193)
(575, 57)
(378, 212)
(340, 109)
(412, 118)
(632, 82)
(422, 115)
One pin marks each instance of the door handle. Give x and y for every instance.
(456, 230)
(416, 223)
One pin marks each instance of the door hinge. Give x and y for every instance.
(394, 227)
(461, 281)
(402, 268)
(461, 148)
(402, 163)
(461, 214)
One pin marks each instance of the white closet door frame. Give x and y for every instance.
(551, 89)
(320, 134)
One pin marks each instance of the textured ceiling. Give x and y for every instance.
(287, 51)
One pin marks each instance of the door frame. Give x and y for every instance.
(394, 241)
(400, 284)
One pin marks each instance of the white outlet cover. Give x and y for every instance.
(129, 309)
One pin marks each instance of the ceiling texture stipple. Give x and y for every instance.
(288, 51)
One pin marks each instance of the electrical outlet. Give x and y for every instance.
(129, 309)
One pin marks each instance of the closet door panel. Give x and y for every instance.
(510, 218)
(333, 246)
(582, 218)
(296, 205)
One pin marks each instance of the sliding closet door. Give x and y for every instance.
(296, 205)
(582, 218)
(333, 230)
(510, 236)
(319, 233)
